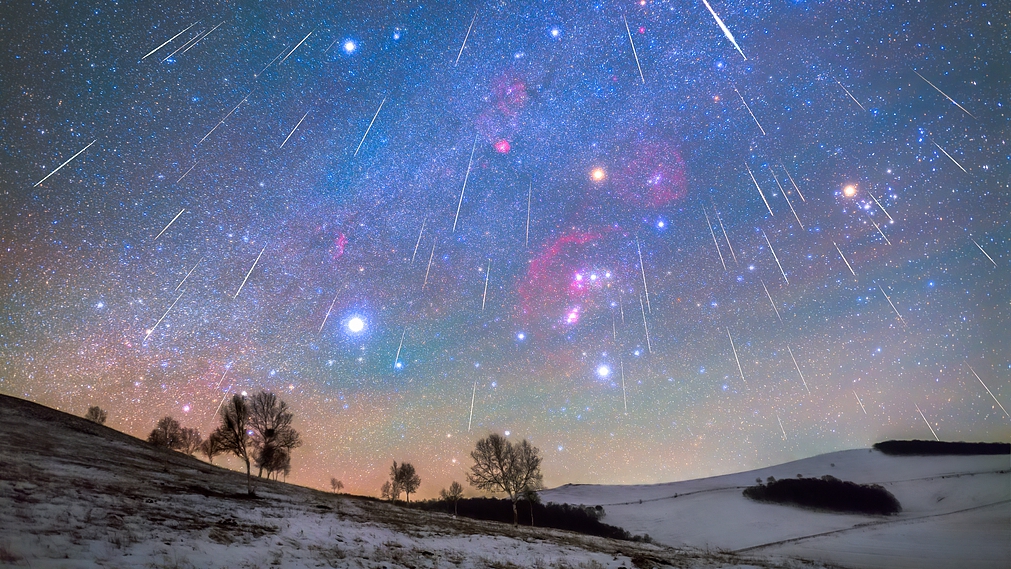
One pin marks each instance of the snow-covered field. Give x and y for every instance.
(956, 512)
(75, 494)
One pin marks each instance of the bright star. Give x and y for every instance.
(356, 325)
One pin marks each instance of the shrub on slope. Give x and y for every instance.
(827, 493)
(925, 448)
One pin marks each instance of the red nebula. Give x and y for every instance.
(551, 291)
(337, 250)
(499, 120)
(653, 177)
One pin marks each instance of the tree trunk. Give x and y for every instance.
(516, 516)
(531, 502)
(249, 480)
(455, 506)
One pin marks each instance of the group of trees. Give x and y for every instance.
(499, 466)
(168, 433)
(404, 479)
(257, 430)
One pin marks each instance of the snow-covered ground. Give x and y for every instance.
(75, 494)
(956, 512)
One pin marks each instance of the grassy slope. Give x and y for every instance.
(77, 494)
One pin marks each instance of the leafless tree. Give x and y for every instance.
(166, 434)
(211, 447)
(406, 479)
(189, 441)
(500, 466)
(454, 494)
(336, 485)
(233, 434)
(273, 435)
(386, 492)
(95, 414)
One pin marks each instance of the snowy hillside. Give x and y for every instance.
(956, 512)
(76, 494)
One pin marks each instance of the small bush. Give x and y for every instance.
(928, 448)
(827, 493)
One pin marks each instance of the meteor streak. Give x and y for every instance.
(924, 418)
(465, 178)
(843, 257)
(749, 111)
(182, 47)
(297, 46)
(734, 348)
(530, 192)
(487, 275)
(320, 331)
(985, 253)
(950, 157)
(294, 129)
(880, 206)
(851, 95)
(624, 398)
(892, 305)
(642, 269)
(416, 245)
(220, 122)
(194, 44)
(644, 326)
(168, 41)
(188, 275)
(798, 370)
(878, 227)
(271, 62)
(943, 93)
(988, 390)
(151, 331)
(713, 233)
(429, 269)
(169, 224)
(370, 126)
(470, 27)
(473, 394)
(69, 160)
(792, 182)
(724, 229)
(860, 402)
(187, 172)
(781, 426)
(760, 192)
(795, 216)
(634, 54)
(249, 273)
(396, 360)
(726, 31)
(776, 257)
(772, 302)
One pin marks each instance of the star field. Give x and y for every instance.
(655, 265)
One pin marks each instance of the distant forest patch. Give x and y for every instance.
(826, 493)
(582, 519)
(924, 448)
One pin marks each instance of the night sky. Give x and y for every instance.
(384, 212)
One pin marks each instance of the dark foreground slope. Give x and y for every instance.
(77, 494)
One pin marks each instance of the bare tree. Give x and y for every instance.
(95, 414)
(395, 488)
(386, 492)
(336, 485)
(166, 434)
(407, 479)
(233, 434)
(454, 494)
(270, 420)
(274, 459)
(211, 447)
(500, 466)
(189, 441)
